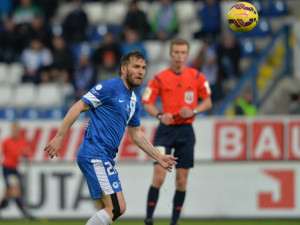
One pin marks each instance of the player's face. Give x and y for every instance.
(135, 72)
(179, 54)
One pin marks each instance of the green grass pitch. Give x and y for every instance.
(140, 222)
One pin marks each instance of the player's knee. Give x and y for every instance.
(158, 180)
(117, 212)
(181, 184)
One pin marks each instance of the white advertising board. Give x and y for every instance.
(215, 190)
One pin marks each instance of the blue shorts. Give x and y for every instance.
(179, 137)
(100, 175)
(12, 177)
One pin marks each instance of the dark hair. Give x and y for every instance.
(179, 41)
(126, 58)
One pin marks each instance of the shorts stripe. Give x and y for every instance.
(102, 176)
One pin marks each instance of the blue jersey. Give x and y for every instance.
(113, 107)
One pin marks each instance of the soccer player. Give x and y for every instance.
(12, 149)
(179, 87)
(114, 105)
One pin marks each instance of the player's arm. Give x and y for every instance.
(140, 139)
(55, 144)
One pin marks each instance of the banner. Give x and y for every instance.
(215, 190)
(217, 139)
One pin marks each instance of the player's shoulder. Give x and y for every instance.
(196, 73)
(106, 85)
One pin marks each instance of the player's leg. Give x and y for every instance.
(5, 198)
(184, 150)
(111, 207)
(103, 181)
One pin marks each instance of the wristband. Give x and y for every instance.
(159, 115)
(195, 111)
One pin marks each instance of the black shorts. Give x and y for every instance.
(179, 137)
(11, 177)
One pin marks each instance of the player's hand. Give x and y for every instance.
(167, 162)
(186, 112)
(167, 118)
(54, 146)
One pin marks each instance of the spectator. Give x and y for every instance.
(207, 62)
(245, 106)
(9, 43)
(62, 59)
(165, 23)
(25, 12)
(136, 19)
(132, 42)
(39, 29)
(48, 7)
(76, 23)
(106, 58)
(229, 54)
(35, 58)
(295, 104)
(210, 18)
(84, 76)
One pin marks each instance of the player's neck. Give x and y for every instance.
(129, 87)
(177, 69)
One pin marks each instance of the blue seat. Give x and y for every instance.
(262, 29)
(55, 113)
(97, 32)
(276, 8)
(30, 113)
(8, 113)
(248, 48)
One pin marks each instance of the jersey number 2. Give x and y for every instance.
(110, 169)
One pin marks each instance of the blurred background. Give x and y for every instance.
(248, 146)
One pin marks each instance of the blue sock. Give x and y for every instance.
(177, 205)
(151, 202)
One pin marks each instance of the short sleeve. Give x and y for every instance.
(204, 90)
(98, 95)
(135, 119)
(152, 91)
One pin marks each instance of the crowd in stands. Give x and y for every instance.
(69, 56)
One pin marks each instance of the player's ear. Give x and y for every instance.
(123, 69)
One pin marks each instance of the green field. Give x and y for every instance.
(139, 222)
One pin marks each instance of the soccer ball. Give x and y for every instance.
(242, 17)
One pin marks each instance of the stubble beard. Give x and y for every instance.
(130, 81)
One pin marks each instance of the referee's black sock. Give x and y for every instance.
(151, 202)
(177, 205)
(20, 204)
(3, 203)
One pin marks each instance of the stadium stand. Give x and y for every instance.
(109, 16)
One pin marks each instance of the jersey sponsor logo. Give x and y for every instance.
(98, 87)
(147, 94)
(189, 97)
(121, 100)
